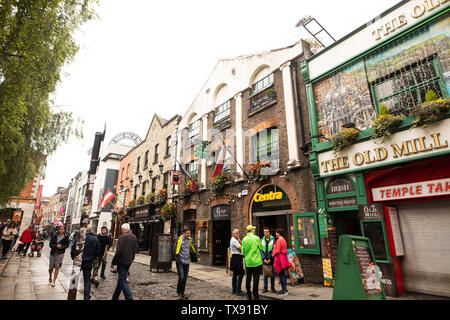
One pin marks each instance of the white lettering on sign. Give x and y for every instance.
(412, 190)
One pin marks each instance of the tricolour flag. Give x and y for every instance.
(220, 162)
(185, 173)
(106, 198)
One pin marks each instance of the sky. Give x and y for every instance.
(140, 57)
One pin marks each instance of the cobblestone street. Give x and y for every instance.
(146, 285)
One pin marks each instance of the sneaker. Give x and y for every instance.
(240, 294)
(282, 294)
(265, 290)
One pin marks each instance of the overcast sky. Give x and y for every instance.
(140, 57)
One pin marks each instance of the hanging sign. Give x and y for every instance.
(176, 177)
(371, 212)
(222, 212)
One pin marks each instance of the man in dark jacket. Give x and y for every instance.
(91, 251)
(125, 252)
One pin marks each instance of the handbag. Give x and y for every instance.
(268, 271)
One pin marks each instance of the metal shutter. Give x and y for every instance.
(425, 228)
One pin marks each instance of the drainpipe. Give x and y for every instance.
(293, 67)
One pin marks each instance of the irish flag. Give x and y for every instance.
(220, 162)
(106, 198)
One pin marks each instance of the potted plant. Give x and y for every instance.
(168, 211)
(140, 200)
(257, 167)
(386, 124)
(218, 182)
(433, 109)
(161, 197)
(150, 198)
(343, 139)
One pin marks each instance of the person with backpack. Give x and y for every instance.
(185, 252)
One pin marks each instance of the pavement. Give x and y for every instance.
(26, 278)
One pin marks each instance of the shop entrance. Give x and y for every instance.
(272, 222)
(221, 240)
(347, 222)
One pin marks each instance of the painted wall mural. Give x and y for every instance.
(397, 75)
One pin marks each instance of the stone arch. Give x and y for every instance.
(259, 73)
(220, 94)
(191, 117)
(287, 187)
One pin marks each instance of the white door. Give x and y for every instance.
(425, 228)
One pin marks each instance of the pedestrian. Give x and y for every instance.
(91, 251)
(104, 241)
(125, 252)
(236, 263)
(37, 245)
(252, 247)
(268, 242)
(8, 235)
(281, 262)
(185, 252)
(58, 244)
(26, 238)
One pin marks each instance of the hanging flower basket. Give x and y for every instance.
(256, 168)
(140, 200)
(385, 126)
(131, 203)
(343, 139)
(161, 197)
(217, 184)
(430, 111)
(168, 211)
(150, 198)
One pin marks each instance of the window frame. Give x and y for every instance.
(255, 149)
(219, 116)
(271, 80)
(168, 145)
(156, 158)
(194, 127)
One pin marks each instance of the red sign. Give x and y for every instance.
(412, 190)
(176, 177)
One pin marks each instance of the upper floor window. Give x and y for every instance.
(144, 186)
(168, 146)
(166, 180)
(193, 132)
(128, 170)
(192, 168)
(262, 84)
(156, 152)
(407, 88)
(265, 147)
(138, 164)
(146, 160)
(221, 112)
(154, 184)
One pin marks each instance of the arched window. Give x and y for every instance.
(265, 147)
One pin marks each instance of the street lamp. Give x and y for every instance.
(150, 172)
(161, 167)
(131, 183)
(140, 177)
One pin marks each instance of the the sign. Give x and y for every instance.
(268, 196)
(394, 234)
(404, 145)
(412, 190)
(176, 177)
(342, 202)
(371, 212)
(295, 271)
(141, 212)
(17, 215)
(222, 212)
(340, 185)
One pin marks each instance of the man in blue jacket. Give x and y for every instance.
(91, 251)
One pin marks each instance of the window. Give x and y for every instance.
(128, 170)
(137, 164)
(166, 180)
(222, 112)
(192, 168)
(146, 160)
(156, 152)
(262, 84)
(144, 185)
(168, 146)
(123, 174)
(193, 132)
(154, 185)
(135, 192)
(264, 146)
(406, 88)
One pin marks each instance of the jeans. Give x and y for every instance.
(283, 280)
(122, 284)
(86, 267)
(183, 271)
(236, 281)
(253, 272)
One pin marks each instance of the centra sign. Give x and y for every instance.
(258, 197)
